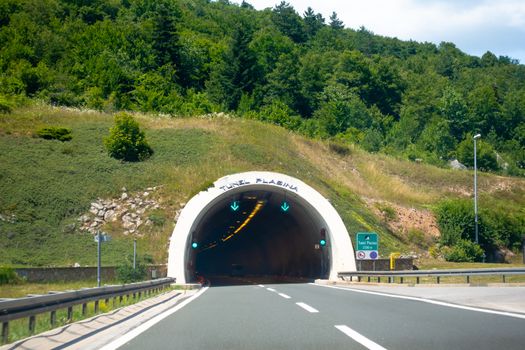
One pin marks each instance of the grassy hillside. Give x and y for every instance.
(47, 185)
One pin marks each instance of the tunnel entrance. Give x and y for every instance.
(259, 224)
(260, 233)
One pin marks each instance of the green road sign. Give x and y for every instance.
(367, 241)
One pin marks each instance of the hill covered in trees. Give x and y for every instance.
(302, 71)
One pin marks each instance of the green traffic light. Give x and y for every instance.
(195, 245)
(322, 242)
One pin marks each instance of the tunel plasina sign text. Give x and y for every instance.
(261, 181)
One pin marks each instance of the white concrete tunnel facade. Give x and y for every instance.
(342, 257)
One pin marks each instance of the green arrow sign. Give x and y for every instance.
(235, 205)
(285, 206)
(367, 241)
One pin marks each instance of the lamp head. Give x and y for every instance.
(477, 136)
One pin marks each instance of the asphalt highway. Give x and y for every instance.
(307, 316)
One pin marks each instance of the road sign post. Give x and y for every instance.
(99, 238)
(367, 246)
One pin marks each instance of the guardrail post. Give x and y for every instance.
(84, 309)
(417, 280)
(437, 279)
(5, 332)
(70, 314)
(53, 317)
(401, 280)
(503, 276)
(32, 323)
(378, 279)
(96, 306)
(468, 278)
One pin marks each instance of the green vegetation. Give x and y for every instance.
(126, 141)
(55, 133)
(416, 101)
(127, 274)
(349, 92)
(40, 213)
(497, 228)
(8, 276)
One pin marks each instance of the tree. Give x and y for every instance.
(485, 157)
(126, 141)
(166, 41)
(289, 22)
(335, 22)
(312, 22)
(454, 109)
(341, 109)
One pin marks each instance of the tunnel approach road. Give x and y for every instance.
(308, 316)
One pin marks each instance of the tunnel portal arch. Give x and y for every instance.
(316, 215)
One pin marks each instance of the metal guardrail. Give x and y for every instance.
(467, 273)
(30, 306)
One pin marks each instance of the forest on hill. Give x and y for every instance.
(310, 74)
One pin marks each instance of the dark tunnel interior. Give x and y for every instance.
(259, 233)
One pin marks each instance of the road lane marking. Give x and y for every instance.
(271, 289)
(285, 296)
(428, 301)
(307, 307)
(261, 285)
(361, 339)
(148, 324)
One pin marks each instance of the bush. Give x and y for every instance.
(127, 274)
(8, 276)
(126, 141)
(455, 219)
(463, 251)
(55, 133)
(5, 105)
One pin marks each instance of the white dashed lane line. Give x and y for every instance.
(307, 307)
(285, 296)
(361, 339)
(271, 290)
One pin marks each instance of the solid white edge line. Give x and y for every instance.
(285, 296)
(148, 324)
(361, 339)
(271, 289)
(428, 301)
(307, 307)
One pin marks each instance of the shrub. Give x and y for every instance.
(8, 275)
(463, 251)
(55, 133)
(127, 274)
(5, 105)
(126, 141)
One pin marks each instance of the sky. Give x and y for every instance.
(474, 26)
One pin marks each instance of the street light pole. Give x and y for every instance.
(477, 136)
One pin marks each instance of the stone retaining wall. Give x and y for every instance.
(60, 274)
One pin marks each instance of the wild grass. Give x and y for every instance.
(47, 184)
